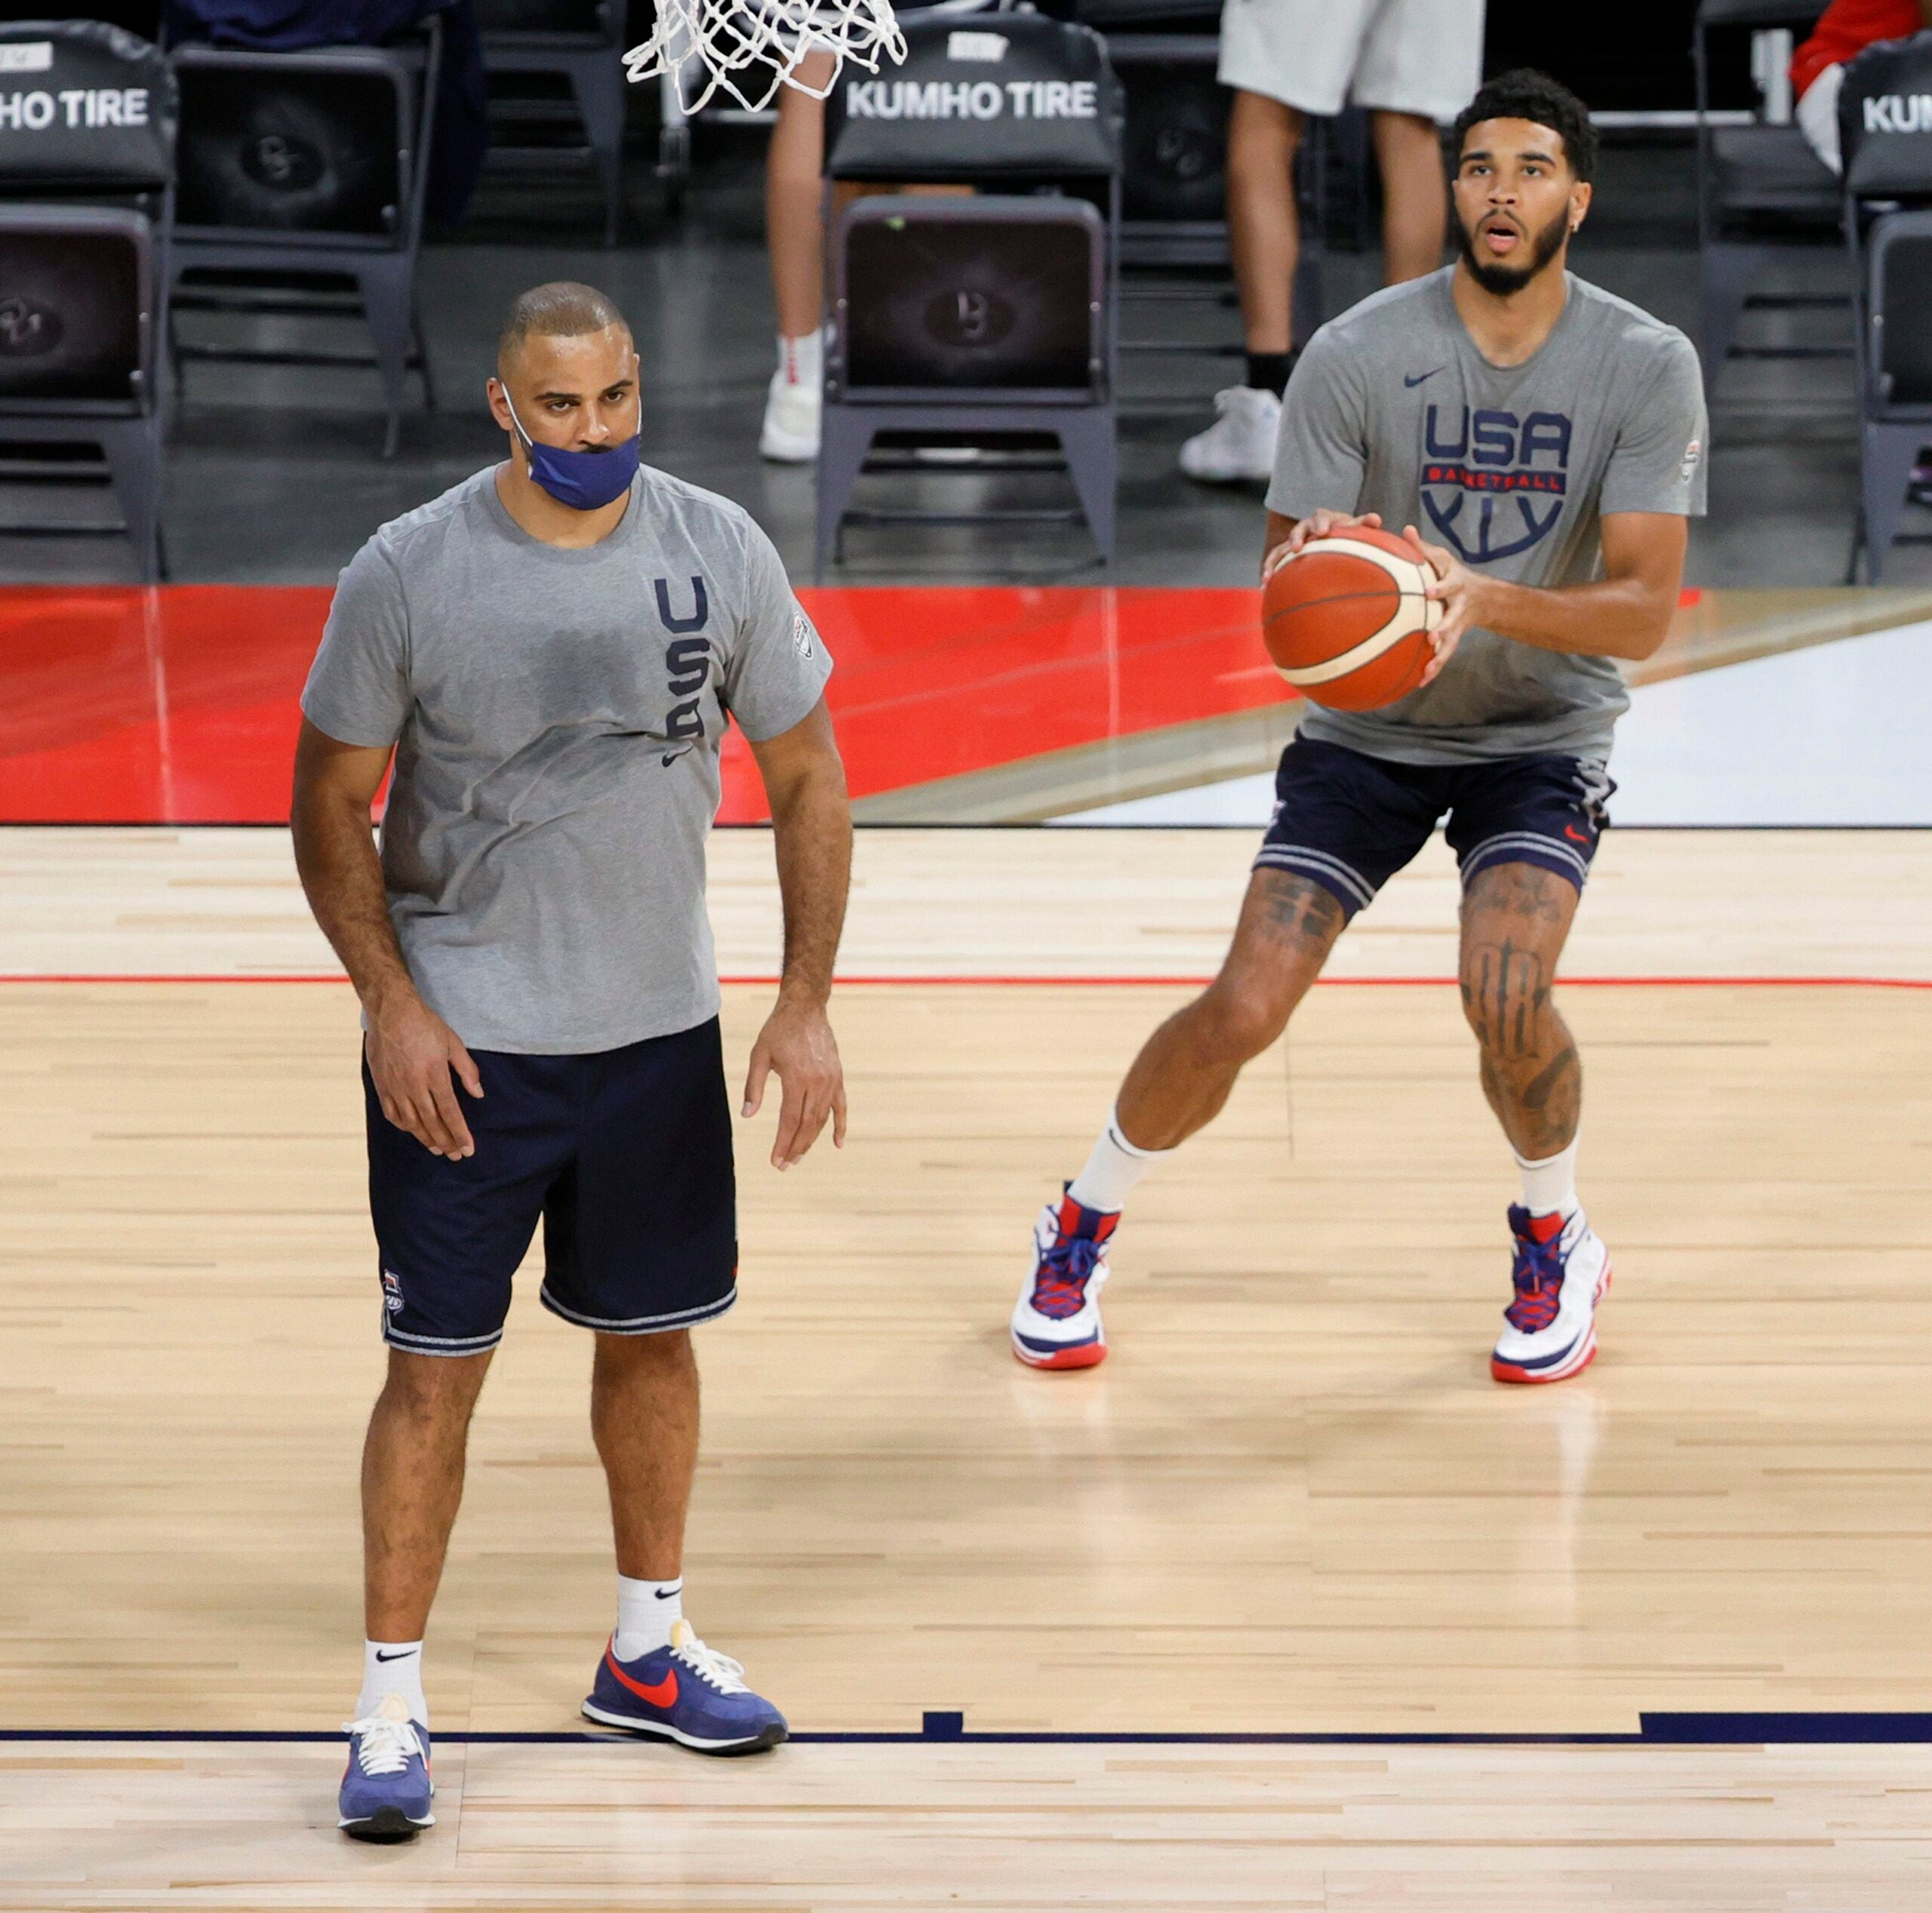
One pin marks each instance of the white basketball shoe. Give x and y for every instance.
(1561, 1271)
(1240, 444)
(789, 435)
(1057, 1321)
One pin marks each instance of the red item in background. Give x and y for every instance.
(1848, 27)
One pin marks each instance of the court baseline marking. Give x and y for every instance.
(1673, 1729)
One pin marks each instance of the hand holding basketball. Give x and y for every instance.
(1320, 523)
(1456, 588)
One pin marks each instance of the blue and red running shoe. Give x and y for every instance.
(1057, 1321)
(684, 1693)
(1561, 1272)
(386, 1788)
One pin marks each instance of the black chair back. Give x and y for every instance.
(74, 314)
(85, 108)
(309, 143)
(1901, 294)
(936, 299)
(1885, 121)
(1010, 95)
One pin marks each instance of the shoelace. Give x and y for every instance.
(1538, 1276)
(724, 1674)
(383, 1746)
(1059, 1285)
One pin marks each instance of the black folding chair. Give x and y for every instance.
(1885, 133)
(581, 42)
(302, 173)
(1762, 193)
(86, 169)
(982, 318)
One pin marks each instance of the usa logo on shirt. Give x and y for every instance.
(1494, 484)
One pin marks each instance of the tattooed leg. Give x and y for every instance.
(1186, 1070)
(1515, 918)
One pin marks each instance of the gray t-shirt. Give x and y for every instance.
(1392, 409)
(557, 716)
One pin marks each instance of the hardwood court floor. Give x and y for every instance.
(1017, 1830)
(1292, 1500)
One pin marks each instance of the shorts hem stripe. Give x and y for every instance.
(1511, 843)
(641, 1324)
(440, 1345)
(1290, 856)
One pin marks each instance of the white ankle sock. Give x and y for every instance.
(1549, 1187)
(392, 1667)
(802, 360)
(645, 1612)
(1113, 1169)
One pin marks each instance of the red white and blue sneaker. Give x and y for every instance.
(684, 1693)
(1561, 1272)
(386, 1789)
(1057, 1321)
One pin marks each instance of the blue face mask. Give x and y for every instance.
(583, 481)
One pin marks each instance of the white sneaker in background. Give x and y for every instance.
(1240, 444)
(790, 434)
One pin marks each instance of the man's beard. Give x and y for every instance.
(1500, 281)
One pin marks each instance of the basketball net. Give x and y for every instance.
(725, 38)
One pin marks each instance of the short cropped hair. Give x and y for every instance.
(561, 309)
(1525, 93)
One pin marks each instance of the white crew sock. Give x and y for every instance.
(1113, 1169)
(392, 1667)
(802, 360)
(1549, 1187)
(645, 1612)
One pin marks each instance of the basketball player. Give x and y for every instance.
(553, 648)
(1551, 439)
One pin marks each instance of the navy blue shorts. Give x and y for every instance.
(1349, 822)
(625, 1155)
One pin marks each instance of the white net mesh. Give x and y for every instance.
(706, 45)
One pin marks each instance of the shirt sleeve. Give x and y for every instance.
(779, 663)
(1659, 461)
(357, 691)
(1321, 455)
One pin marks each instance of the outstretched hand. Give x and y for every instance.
(798, 1043)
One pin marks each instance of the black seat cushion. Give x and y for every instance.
(1771, 173)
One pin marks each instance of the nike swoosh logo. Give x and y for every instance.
(403, 1656)
(1412, 383)
(1575, 836)
(663, 1694)
(667, 1593)
(672, 757)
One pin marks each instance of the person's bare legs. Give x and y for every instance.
(793, 225)
(1415, 195)
(643, 1417)
(1516, 918)
(1186, 1069)
(1263, 234)
(412, 1485)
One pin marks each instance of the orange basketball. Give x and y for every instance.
(1347, 620)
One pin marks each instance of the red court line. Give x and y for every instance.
(1102, 982)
